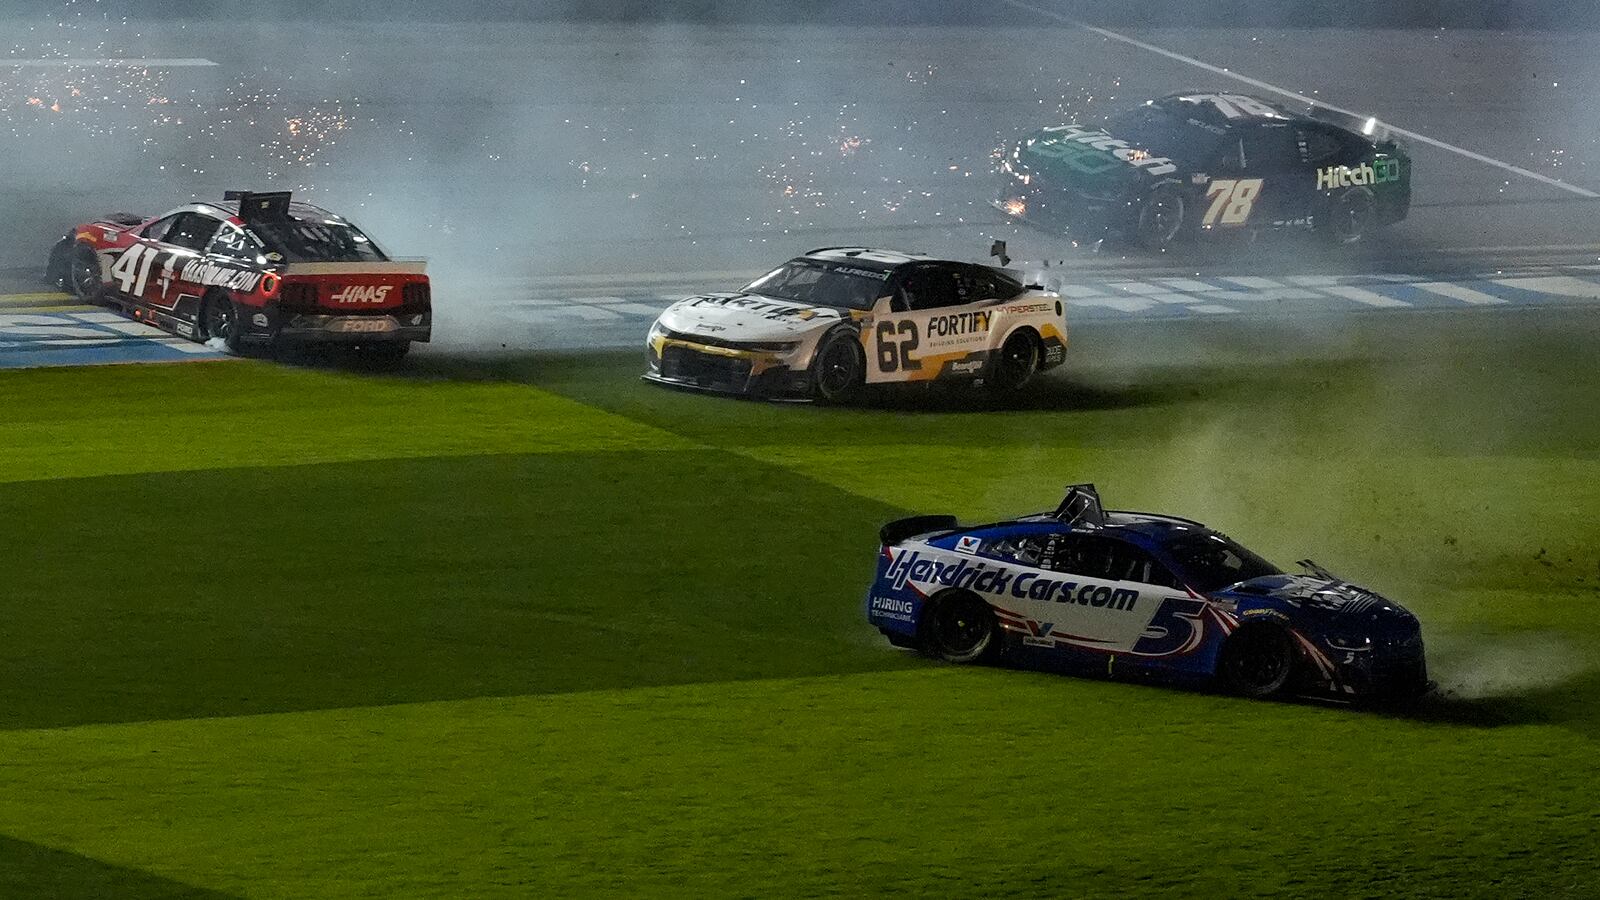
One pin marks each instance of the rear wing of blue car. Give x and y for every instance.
(900, 529)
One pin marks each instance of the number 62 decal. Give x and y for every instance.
(896, 355)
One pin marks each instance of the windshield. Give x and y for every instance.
(820, 284)
(299, 240)
(1164, 133)
(1210, 561)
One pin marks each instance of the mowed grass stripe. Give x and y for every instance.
(33, 870)
(230, 591)
(78, 422)
(939, 781)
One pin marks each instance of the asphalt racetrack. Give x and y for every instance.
(567, 180)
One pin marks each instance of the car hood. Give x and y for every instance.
(747, 317)
(1328, 596)
(1090, 160)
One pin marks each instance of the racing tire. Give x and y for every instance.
(1016, 363)
(82, 275)
(839, 369)
(961, 628)
(219, 319)
(1352, 216)
(1258, 662)
(1162, 219)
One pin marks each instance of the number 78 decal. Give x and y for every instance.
(1231, 201)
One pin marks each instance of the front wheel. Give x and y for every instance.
(1352, 216)
(839, 369)
(219, 320)
(962, 629)
(1258, 661)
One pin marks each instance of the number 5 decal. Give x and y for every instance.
(894, 356)
(1231, 201)
(1174, 629)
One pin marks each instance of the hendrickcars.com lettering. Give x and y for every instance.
(983, 578)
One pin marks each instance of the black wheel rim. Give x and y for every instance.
(1161, 218)
(85, 274)
(962, 628)
(1352, 220)
(1017, 362)
(219, 320)
(1261, 664)
(837, 370)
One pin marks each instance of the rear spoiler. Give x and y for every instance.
(900, 529)
(1367, 126)
(386, 267)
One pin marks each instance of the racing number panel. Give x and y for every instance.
(938, 319)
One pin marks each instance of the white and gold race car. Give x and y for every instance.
(824, 324)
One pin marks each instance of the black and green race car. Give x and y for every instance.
(1204, 164)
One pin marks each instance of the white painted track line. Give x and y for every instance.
(1293, 95)
(1458, 292)
(1362, 295)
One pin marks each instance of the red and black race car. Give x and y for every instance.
(256, 268)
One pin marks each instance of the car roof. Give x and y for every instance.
(1142, 528)
(868, 257)
(1213, 108)
(297, 209)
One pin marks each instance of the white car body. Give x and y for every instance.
(749, 342)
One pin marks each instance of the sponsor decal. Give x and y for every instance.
(968, 544)
(362, 294)
(864, 273)
(1054, 354)
(955, 324)
(964, 367)
(764, 308)
(1025, 309)
(984, 578)
(1380, 171)
(210, 274)
(1039, 634)
(1075, 143)
(259, 320)
(893, 608)
(1261, 612)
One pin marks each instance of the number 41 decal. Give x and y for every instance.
(132, 269)
(1231, 201)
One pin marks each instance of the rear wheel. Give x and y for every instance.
(839, 368)
(219, 320)
(82, 278)
(961, 628)
(1258, 661)
(1161, 218)
(1016, 363)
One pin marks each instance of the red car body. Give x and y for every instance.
(254, 269)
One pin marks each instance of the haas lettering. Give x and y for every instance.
(360, 294)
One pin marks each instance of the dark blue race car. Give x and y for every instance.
(1136, 594)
